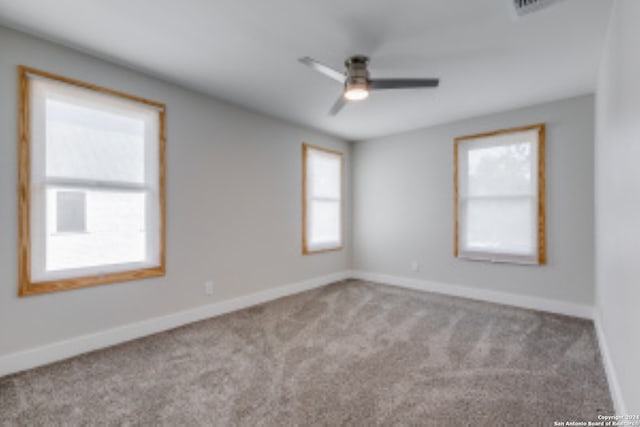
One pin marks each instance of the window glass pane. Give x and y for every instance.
(323, 223)
(115, 231)
(501, 170)
(499, 225)
(323, 174)
(71, 213)
(93, 144)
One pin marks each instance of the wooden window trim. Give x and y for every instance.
(305, 246)
(541, 129)
(26, 287)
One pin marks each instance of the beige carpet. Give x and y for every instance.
(352, 353)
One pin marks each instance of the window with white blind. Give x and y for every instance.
(499, 196)
(322, 199)
(91, 184)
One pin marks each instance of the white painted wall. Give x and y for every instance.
(234, 206)
(403, 205)
(617, 177)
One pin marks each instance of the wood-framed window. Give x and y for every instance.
(91, 184)
(322, 171)
(499, 184)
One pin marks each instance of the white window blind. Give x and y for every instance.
(95, 161)
(498, 190)
(323, 199)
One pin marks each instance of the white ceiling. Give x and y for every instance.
(245, 52)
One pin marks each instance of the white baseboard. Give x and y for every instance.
(60, 350)
(534, 303)
(612, 377)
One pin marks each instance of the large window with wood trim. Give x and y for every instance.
(321, 199)
(500, 195)
(92, 184)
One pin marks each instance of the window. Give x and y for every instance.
(499, 196)
(322, 199)
(91, 183)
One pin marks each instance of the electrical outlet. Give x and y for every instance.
(415, 266)
(208, 287)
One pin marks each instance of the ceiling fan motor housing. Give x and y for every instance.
(357, 71)
(525, 7)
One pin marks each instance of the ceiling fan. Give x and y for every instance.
(357, 83)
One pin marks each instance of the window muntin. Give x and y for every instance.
(90, 157)
(499, 185)
(322, 199)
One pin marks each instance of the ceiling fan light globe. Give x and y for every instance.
(356, 94)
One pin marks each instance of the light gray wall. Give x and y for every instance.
(403, 205)
(234, 205)
(618, 198)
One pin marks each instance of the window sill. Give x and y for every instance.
(500, 258)
(306, 251)
(29, 288)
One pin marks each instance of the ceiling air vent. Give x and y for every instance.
(525, 7)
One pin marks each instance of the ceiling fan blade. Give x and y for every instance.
(321, 68)
(402, 83)
(340, 102)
